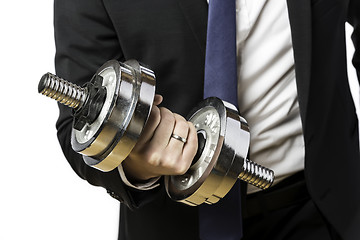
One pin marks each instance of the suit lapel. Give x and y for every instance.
(300, 22)
(195, 12)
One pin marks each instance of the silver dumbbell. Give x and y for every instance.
(111, 111)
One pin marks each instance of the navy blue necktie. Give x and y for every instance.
(221, 221)
(220, 61)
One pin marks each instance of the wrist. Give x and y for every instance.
(136, 172)
(138, 184)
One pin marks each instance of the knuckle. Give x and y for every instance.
(153, 158)
(167, 161)
(174, 165)
(182, 125)
(180, 169)
(180, 166)
(179, 118)
(167, 117)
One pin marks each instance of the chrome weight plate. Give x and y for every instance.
(107, 141)
(225, 140)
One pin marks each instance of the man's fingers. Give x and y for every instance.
(150, 127)
(164, 130)
(157, 99)
(152, 123)
(157, 152)
(182, 154)
(180, 132)
(191, 146)
(172, 157)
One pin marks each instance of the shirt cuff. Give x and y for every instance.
(148, 185)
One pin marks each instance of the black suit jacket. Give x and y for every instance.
(169, 36)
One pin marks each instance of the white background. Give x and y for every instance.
(40, 196)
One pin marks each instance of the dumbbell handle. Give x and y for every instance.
(62, 91)
(256, 174)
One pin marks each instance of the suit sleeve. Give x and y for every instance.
(85, 39)
(354, 20)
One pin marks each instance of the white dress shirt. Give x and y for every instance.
(267, 94)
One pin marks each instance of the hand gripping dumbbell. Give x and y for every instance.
(110, 112)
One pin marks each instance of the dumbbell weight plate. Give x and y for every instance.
(217, 168)
(130, 90)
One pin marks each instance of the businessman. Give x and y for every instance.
(292, 89)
